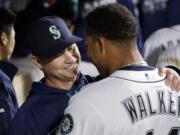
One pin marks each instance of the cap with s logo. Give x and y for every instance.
(48, 36)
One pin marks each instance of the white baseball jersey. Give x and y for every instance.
(133, 101)
(160, 41)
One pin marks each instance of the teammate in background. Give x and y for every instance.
(8, 102)
(133, 98)
(160, 41)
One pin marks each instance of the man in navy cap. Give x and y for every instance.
(56, 54)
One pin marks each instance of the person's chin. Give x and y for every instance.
(72, 78)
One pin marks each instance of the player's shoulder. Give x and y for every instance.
(95, 88)
(117, 79)
(138, 74)
(176, 27)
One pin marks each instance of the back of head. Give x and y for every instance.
(7, 20)
(113, 21)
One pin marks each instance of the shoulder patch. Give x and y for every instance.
(66, 125)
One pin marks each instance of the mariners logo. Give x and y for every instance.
(66, 125)
(55, 32)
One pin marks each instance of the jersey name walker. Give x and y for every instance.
(132, 101)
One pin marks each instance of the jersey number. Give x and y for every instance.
(173, 131)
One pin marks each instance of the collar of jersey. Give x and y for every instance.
(138, 68)
(141, 74)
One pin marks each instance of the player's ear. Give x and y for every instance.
(101, 44)
(36, 61)
(3, 39)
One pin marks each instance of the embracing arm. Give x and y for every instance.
(172, 78)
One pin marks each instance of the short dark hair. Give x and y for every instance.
(113, 21)
(7, 20)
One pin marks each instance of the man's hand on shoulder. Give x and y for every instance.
(172, 78)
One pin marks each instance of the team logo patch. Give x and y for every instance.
(55, 32)
(66, 125)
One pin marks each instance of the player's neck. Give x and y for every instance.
(127, 57)
(132, 58)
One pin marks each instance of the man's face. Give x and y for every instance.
(10, 43)
(91, 49)
(93, 52)
(64, 67)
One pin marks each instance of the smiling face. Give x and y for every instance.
(64, 67)
(91, 49)
(96, 52)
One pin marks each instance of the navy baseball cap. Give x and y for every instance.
(48, 36)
